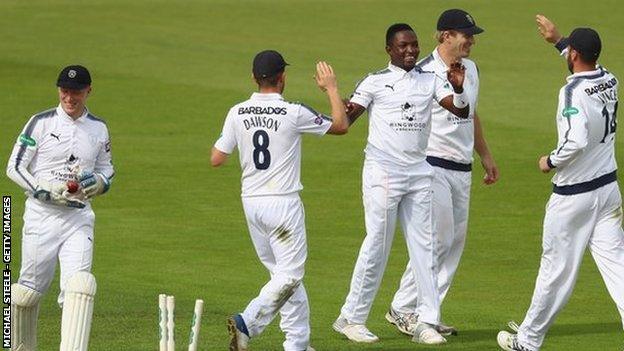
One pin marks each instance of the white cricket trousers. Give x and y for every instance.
(451, 201)
(277, 228)
(388, 193)
(572, 223)
(54, 233)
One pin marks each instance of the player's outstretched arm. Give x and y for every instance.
(327, 82)
(456, 103)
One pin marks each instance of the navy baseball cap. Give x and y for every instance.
(459, 20)
(74, 77)
(268, 63)
(587, 42)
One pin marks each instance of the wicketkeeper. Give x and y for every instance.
(61, 145)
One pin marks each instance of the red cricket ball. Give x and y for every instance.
(72, 186)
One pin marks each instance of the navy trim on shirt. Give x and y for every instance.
(28, 132)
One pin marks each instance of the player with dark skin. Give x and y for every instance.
(404, 51)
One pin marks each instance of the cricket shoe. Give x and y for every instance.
(404, 322)
(354, 332)
(239, 336)
(425, 333)
(509, 342)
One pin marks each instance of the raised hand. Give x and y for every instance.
(547, 29)
(456, 75)
(325, 77)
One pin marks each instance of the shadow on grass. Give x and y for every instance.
(477, 335)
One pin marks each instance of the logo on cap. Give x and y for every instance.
(470, 19)
(71, 73)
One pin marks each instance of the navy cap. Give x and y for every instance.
(459, 20)
(587, 42)
(74, 77)
(268, 63)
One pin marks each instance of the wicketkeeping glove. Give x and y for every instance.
(93, 184)
(56, 194)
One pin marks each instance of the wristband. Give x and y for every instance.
(549, 163)
(562, 44)
(460, 100)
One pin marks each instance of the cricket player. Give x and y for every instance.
(63, 144)
(267, 131)
(396, 180)
(450, 152)
(585, 209)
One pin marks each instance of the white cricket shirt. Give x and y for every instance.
(53, 146)
(452, 137)
(586, 123)
(399, 107)
(267, 131)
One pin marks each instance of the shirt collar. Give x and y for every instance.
(397, 69)
(438, 59)
(267, 96)
(61, 113)
(598, 72)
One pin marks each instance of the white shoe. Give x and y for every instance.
(354, 332)
(509, 342)
(404, 322)
(238, 339)
(426, 334)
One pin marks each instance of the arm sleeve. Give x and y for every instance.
(310, 121)
(24, 150)
(442, 88)
(227, 140)
(576, 136)
(364, 92)
(104, 162)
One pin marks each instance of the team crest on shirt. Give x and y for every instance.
(408, 112)
(318, 120)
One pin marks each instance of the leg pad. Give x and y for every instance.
(25, 309)
(78, 312)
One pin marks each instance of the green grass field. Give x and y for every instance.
(166, 72)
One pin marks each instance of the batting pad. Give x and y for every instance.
(77, 312)
(25, 306)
